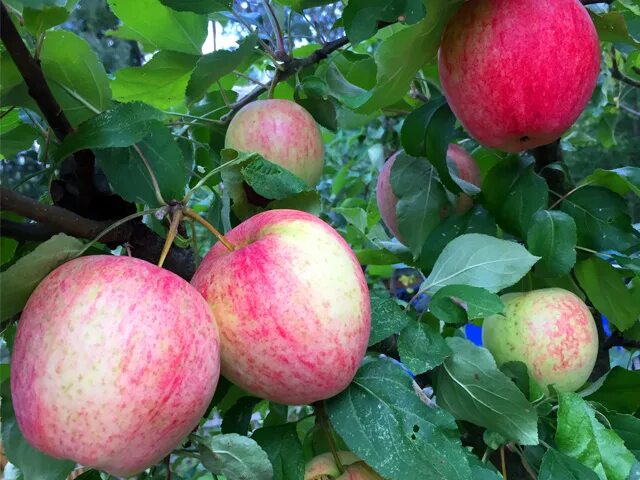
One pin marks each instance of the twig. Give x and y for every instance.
(323, 420)
(503, 463)
(617, 74)
(290, 67)
(171, 235)
(281, 52)
(191, 214)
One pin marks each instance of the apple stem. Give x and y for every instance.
(171, 235)
(504, 464)
(191, 214)
(323, 419)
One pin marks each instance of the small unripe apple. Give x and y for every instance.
(283, 133)
(292, 305)
(323, 467)
(115, 360)
(551, 331)
(518, 73)
(467, 170)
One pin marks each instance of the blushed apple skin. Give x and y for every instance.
(283, 133)
(115, 360)
(551, 331)
(324, 467)
(467, 170)
(518, 73)
(292, 305)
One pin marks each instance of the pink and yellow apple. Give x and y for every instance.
(115, 360)
(465, 167)
(323, 467)
(551, 331)
(292, 305)
(518, 73)
(283, 133)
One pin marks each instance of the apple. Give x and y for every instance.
(323, 467)
(283, 133)
(551, 331)
(457, 157)
(115, 360)
(292, 305)
(518, 73)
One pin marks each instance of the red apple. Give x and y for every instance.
(292, 305)
(323, 467)
(283, 133)
(465, 167)
(518, 73)
(549, 330)
(114, 362)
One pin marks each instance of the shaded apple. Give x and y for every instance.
(518, 73)
(464, 166)
(323, 467)
(283, 133)
(551, 331)
(115, 360)
(292, 305)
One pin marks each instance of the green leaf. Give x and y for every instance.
(122, 126)
(427, 131)
(619, 391)
(75, 75)
(199, 6)
(478, 303)
(32, 463)
(605, 287)
(480, 261)
(387, 317)
(355, 216)
(558, 466)
(160, 28)
(236, 457)
(513, 192)
(7, 249)
(214, 66)
(628, 427)
(38, 21)
(582, 437)
(612, 28)
(130, 178)
(384, 422)
(552, 236)
(420, 198)
(360, 17)
(400, 56)
(17, 140)
(271, 180)
(20, 279)
(161, 82)
(238, 417)
(472, 388)
(284, 450)
(477, 220)
(601, 218)
(621, 180)
(300, 5)
(421, 347)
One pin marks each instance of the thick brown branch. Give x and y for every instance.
(32, 74)
(144, 243)
(290, 67)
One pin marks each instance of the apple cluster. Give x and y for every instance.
(116, 360)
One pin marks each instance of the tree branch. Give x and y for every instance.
(545, 156)
(144, 243)
(290, 67)
(593, 2)
(32, 74)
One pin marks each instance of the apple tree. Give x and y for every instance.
(305, 239)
